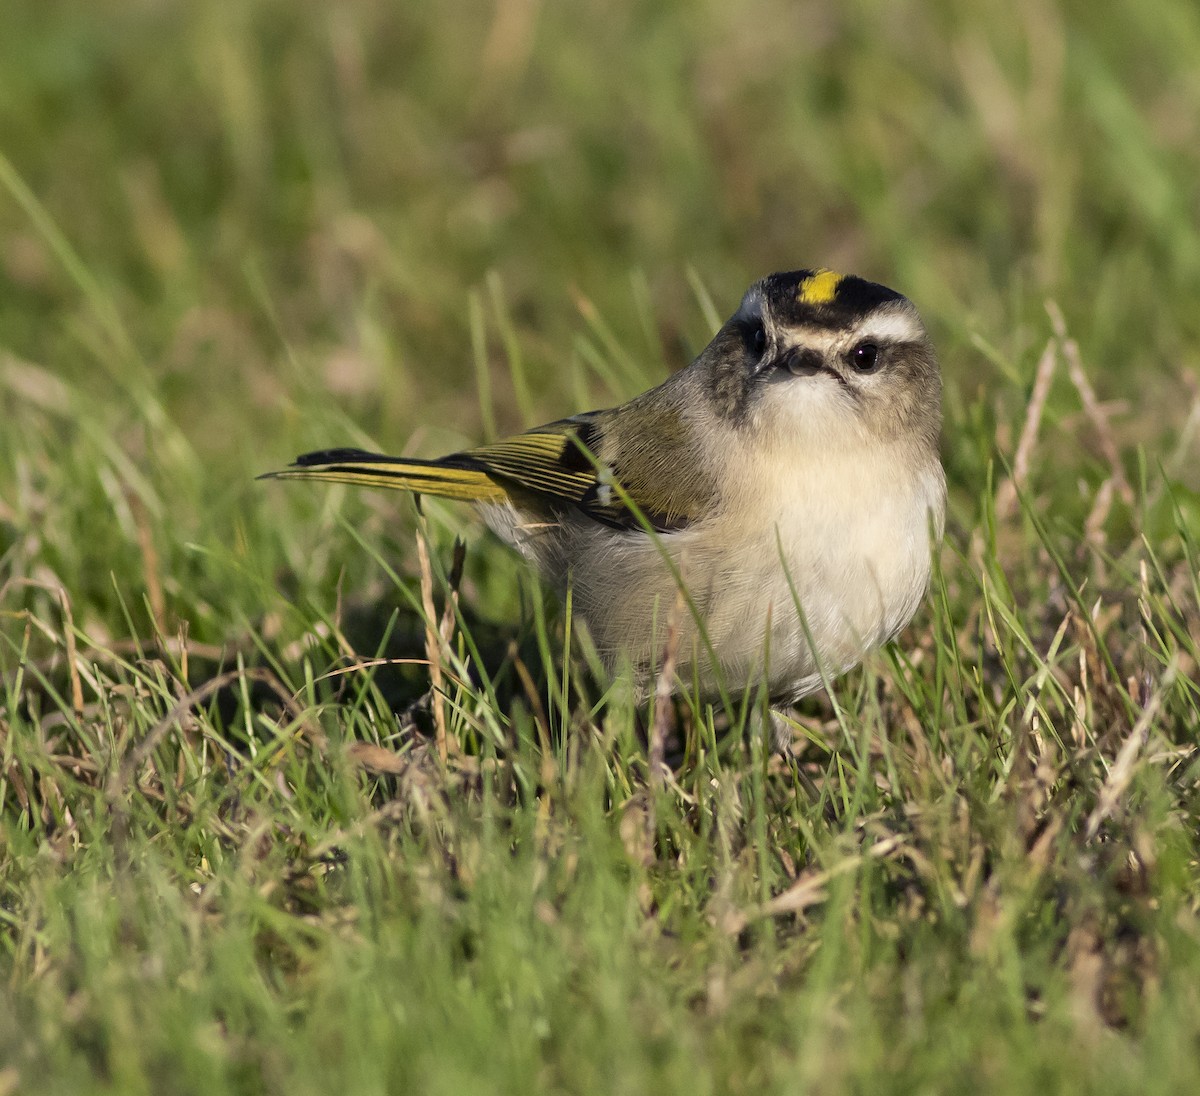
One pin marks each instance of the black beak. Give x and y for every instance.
(802, 361)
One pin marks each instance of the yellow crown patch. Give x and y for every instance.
(820, 287)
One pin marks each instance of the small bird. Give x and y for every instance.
(788, 482)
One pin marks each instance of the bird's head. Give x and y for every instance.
(826, 358)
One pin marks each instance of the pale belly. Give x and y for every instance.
(797, 602)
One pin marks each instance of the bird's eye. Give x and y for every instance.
(865, 357)
(756, 338)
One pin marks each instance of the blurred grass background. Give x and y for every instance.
(234, 231)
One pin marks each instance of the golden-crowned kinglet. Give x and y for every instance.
(788, 479)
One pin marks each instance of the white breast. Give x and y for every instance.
(840, 571)
(841, 555)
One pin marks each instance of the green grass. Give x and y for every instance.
(233, 231)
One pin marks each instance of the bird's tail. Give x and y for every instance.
(452, 477)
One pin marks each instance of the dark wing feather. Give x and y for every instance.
(578, 462)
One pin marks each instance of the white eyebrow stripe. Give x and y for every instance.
(815, 338)
(890, 327)
(884, 327)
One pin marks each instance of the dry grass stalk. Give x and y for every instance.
(450, 609)
(1121, 772)
(72, 654)
(376, 759)
(433, 642)
(664, 687)
(1092, 407)
(811, 888)
(1006, 496)
(540, 718)
(68, 636)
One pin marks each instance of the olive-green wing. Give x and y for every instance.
(582, 462)
(573, 463)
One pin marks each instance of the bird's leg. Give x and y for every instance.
(781, 732)
(777, 728)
